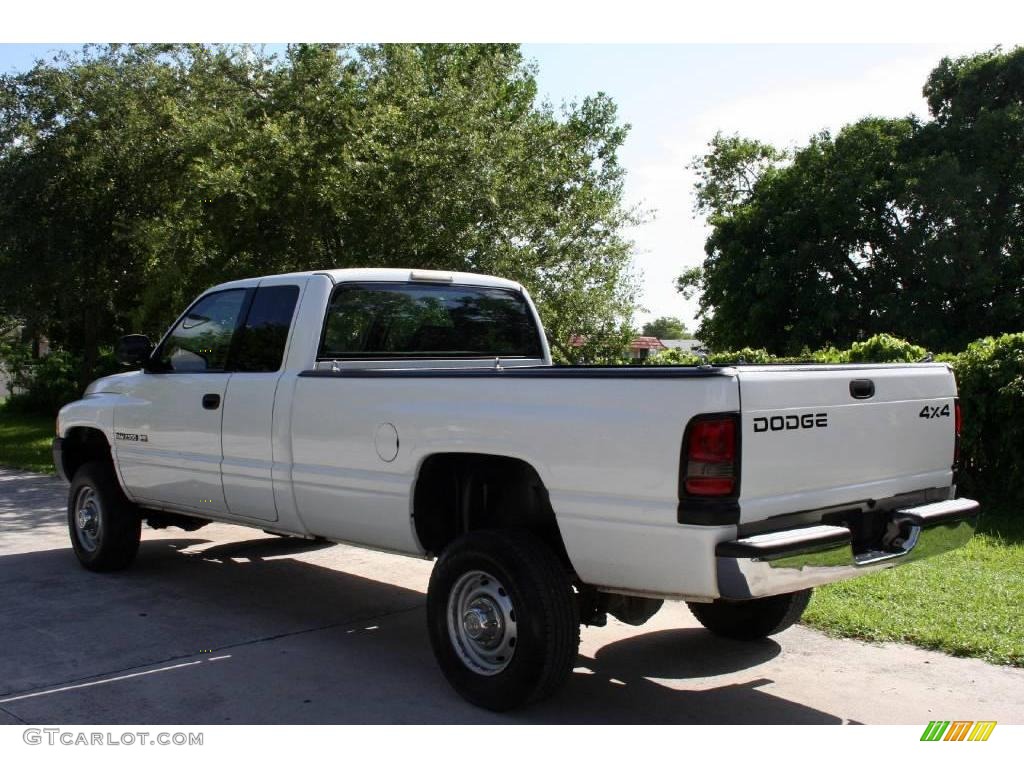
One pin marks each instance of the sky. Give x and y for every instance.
(676, 96)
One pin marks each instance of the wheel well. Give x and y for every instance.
(82, 444)
(461, 492)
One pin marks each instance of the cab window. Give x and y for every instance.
(200, 342)
(259, 346)
(381, 320)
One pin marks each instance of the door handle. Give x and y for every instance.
(211, 402)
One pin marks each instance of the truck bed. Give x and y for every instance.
(606, 441)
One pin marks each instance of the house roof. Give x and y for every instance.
(640, 342)
(686, 345)
(646, 342)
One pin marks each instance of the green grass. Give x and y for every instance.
(25, 441)
(968, 602)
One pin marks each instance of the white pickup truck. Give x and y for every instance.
(419, 412)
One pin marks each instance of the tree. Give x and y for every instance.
(728, 173)
(87, 152)
(666, 328)
(891, 225)
(132, 177)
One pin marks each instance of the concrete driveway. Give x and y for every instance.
(228, 624)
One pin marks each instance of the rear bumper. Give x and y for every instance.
(788, 561)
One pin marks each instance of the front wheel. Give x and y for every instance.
(752, 619)
(104, 525)
(502, 618)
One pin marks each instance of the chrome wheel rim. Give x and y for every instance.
(88, 519)
(482, 623)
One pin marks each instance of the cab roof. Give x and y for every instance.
(375, 275)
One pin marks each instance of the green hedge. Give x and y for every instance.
(42, 385)
(990, 377)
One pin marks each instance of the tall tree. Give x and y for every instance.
(131, 177)
(891, 225)
(666, 328)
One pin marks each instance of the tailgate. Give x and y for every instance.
(817, 437)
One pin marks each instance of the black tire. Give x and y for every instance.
(112, 542)
(542, 613)
(752, 619)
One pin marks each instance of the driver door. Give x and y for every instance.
(168, 431)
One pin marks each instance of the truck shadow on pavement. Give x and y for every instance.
(245, 632)
(618, 683)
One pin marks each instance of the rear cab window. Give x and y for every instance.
(369, 321)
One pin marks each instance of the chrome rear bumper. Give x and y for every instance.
(788, 561)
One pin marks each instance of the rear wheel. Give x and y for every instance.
(502, 618)
(104, 525)
(752, 619)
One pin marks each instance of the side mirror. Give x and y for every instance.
(133, 350)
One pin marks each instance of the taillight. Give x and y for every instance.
(958, 423)
(710, 460)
